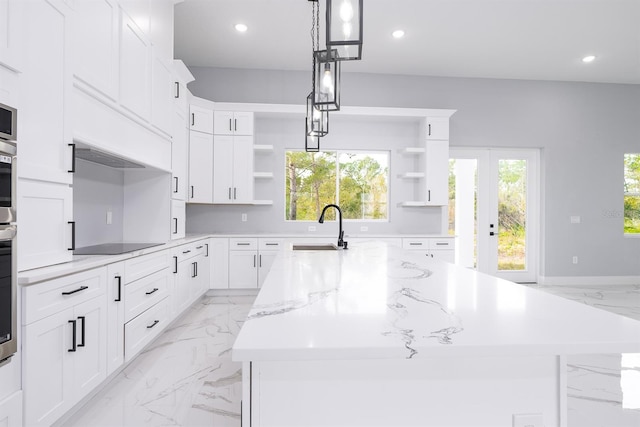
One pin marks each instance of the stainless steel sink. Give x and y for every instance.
(315, 247)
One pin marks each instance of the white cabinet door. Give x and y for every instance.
(90, 359)
(201, 119)
(45, 86)
(438, 128)
(242, 123)
(201, 163)
(223, 169)
(186, 276)
(95, 46)
(11, 410)
(223, 123)
(242, 169)
(179, 158)
(162, 93)
(178, 219)
(219, 256)
(437, 173)
(48, 369)
(135, 54)
(115, 316)
(161, 27)
(11, 17)
(265, 260)
(444, 255)
(233, 123)
(243, 269)
(45, 235)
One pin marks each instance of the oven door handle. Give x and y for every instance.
(8, 233)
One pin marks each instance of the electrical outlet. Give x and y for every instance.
(575, 259)
(528, 420)
(364, 228)
(575, 220)
(109, 217)
(312, 228)
(244, 217)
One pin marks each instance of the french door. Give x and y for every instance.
(494, 211)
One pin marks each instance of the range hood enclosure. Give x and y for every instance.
(102, 158)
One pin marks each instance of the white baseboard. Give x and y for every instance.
(588, 280)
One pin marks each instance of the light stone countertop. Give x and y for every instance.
(375, 301)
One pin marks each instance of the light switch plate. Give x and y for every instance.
(528, 420)
(575, 219)
(312, 228)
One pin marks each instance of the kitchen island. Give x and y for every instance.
(375, 335)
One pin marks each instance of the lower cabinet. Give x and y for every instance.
(438, 248)
(250, 260)
(115, 316)
(64, 355)
(192, 273)
(219, 263)
(11, 410)
(143, 329)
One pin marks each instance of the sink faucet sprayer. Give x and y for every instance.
(341, 242)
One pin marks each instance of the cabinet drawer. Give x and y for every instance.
(143, 293)
(191, 250)
(143, 329)
(417, 244)
(436, 244)
(139, 267)
(243, 244)
(47, 298)
(270, 244)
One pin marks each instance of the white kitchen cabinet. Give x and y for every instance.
(178, 219)
(437, 128)
(442, 248)
(143, 329)
(437, 173)
(267, 251)
(95, 48)
(10, 21)
(219, 262)
(115, 316)
(243, 269)
(181, 94)
(232, 123)
(192, 273)
(201, 164)
(64, 354)
(11, 410)
(44, 239)
(135, 76)
(162, 93)
(250, 260)
(161, 27)
(45, 86)
(201, 119)
(232, 169)
(179, 158)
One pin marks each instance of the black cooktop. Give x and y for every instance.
(113, 248)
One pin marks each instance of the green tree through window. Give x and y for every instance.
(357, 181)
(632, 193)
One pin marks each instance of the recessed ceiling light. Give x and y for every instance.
(589, 58)
(398, 34)
(241, 28)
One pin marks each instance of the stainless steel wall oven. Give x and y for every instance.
(8, 229)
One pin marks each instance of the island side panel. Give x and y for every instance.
(444, 392)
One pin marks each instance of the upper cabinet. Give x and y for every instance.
(95, 45)
(135, 55)
(201, 119)
(437, 128)
(10, 20)
(233, 123)
(162, 94)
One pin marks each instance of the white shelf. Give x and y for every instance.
(413, 203)
(262, 202)
(262, 147)
(412, 151)
(411, 175)
(263, 175)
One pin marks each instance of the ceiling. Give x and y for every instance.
(506, 39)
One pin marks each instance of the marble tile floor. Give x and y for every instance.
(186, 377)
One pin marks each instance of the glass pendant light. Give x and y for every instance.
(311, 143)
(344, 28)
(317, 120)
(326, 89)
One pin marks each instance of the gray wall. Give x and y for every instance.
(583, 130)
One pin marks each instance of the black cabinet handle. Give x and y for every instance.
(186, 252)
(192, 191)
(207, 252)
(429, 129)
(415, 244)
(175, 178)
(175, 225)
(243, 243)
(82, 328)
(73, 235)
(177, 90)
(81, 288)
(235, 124)
(152, 291)
(196, 263)
(155, 322)
(429, 197)
(260, 261)
(271, 244)
(74, 338)
(193, 119)
(73, 158)
(193, 269)
(229, 193)
(235, 190)
(230, 125)
(119, 279)
(175, 265)
(254, 261)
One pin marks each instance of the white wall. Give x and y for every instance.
(583, 130)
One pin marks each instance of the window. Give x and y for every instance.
(632, 194)
(357, 181)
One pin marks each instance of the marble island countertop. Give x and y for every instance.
(376, 301)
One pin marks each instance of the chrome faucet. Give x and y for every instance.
(341, 242)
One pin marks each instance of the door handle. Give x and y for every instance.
(175, 223)
(119, 278)
(74, 344)
(193, 119)
(73, 158)
(73, 235)
(82, 334)
(177, 90)
(176, 181)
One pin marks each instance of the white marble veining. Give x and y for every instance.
(379, 301)
(185, 378)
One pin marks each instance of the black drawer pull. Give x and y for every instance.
(73, 235)
(442, 244)
(152, 292)
(155, 322)
(74, 342)
(415, 244)
(73, 158)
(119, 279)
(186, 252)
(242, 244)
(81, 288)
(200, 247)
(271, 244)
(175, 265)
